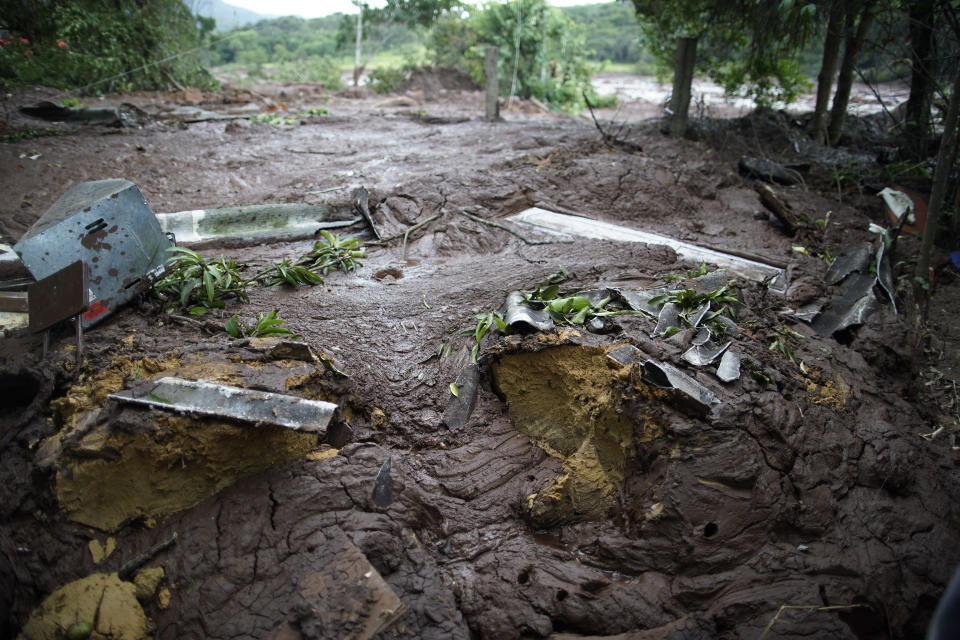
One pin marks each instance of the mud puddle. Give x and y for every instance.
(576, 501)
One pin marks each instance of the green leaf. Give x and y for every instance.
(473, 353)
(197, 311)
(658, 301)
(454, 390)
(208, 285)
(234, 327)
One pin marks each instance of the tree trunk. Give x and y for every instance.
(851, 51)
(917, 125)
(945, 157)
(357, 69)
(828, 69)
(682, 83)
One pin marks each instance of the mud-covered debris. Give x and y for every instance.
(752, 269)
(103, 601)
(761, 169)
(107, 224)
(461, 405)
(109, 116)
(688, 392)
(132, 567)
(207, 398)
(729, 369)
(382, 495)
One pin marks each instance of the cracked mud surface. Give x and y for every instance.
(811, 490)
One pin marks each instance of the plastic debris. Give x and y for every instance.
(254, 224)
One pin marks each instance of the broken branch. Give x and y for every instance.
(779, 207)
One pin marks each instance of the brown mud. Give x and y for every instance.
(576, 501)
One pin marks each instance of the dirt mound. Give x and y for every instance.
(435, 81)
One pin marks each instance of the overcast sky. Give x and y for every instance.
(317, 8)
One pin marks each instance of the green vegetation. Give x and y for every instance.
(197, 285)
(267, 325)
(96, 47)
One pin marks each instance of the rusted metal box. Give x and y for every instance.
(109, 225)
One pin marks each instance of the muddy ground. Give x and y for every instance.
(577, 500)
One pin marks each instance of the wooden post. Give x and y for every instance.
(493, 84)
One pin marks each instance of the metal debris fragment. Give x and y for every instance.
(770, 171)
(52, 112)
(361, 203)
(520, 316)
(108, 225)
(700, 355)
(729, 369)
(212, 399)
(851, 305)
(626, 355)
(669, 317)
(852, 261)
(688, 392)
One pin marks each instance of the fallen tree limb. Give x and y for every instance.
(778, 206)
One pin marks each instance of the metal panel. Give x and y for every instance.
(209, 398)
(108, 225)
(59, 296)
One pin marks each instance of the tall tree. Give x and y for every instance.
(409, 12)
(858, 17)
(828, 69)
(738, 42)
(916, 129)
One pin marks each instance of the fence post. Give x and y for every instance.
(493, 84)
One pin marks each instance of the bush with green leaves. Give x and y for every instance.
(197, 285)
(538, 45)
(96, 47)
